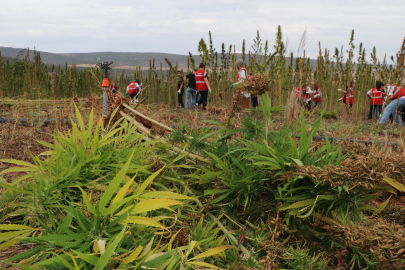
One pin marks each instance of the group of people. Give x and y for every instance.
(390, 97)
(198, 87)
(304, 95)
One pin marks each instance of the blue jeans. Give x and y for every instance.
(192, 92)
(197, 96)
(391, 108)
(317, 104)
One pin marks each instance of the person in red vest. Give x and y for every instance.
(348, 97)
(376, 100)
(243, 75)
(317, 96)
(133, 89)
(303, 95)
(203, 86)
(114, 91)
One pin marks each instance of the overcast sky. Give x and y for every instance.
(176, 26)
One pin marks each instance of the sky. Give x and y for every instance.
(73, 26)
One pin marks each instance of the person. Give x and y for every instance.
(255, 99)
(348, 97)
(242, 75)
(114, 91)
(376, 100)
(191, 89)
(202, 85)
(180, 89)
(133, 90)
(304, 96)
(397, 103)
(317, 96)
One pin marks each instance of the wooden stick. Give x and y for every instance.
(139, 103)
(147, 118)
(143, 129)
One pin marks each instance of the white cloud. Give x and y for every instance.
(177, 26)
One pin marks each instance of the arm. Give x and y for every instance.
(206, 81)
(369, 93)
(184, 80)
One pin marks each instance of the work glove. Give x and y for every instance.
(141, 84)
(315, 96)
(126, 93)
(340, 90)
(339, 100)
(179, 91)
(209, 90)
(232, 86)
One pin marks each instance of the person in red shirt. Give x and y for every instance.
(304, 96)
(317, 96)
(133, 90)
(376, 100)
(203, 85)
(348, 97)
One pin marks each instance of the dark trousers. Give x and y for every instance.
(197, 97)
(203, 99)
(180, 99)
(375, 108)
(132, 96)
(255, 101)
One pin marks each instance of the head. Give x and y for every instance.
(137, 81)
(379, 85)
(316, 86)
(304, 86)
(179, 73)
(201, 66)
(195, 70)
(239, 63)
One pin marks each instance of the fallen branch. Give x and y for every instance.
(147, 118)
(143, 129)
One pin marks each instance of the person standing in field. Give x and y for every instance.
(376, 100)
(191, 89)
(304, 96)
(348, 97)
(133, 90)
(317, 96)
(203, 85)
(242, 75)
(397, 103)
(180, 89)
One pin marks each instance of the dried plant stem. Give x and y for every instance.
(143, 129)
(147, 118)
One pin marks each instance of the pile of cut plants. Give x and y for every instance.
(116, 195)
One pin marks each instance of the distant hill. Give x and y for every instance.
(122, 60)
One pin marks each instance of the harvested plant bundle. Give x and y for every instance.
(237, 104)
(257, 85)
(114, 103)
(386, 241)
(366, 171)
